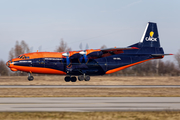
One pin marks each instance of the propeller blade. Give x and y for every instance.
(80, 59)
(87, 46)
(80, 46)
(85, 58)
(67, 61)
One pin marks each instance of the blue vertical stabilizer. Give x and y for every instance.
(149, 42)
(150, 37)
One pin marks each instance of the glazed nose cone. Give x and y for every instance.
(8, 63)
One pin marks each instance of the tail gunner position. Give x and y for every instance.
(90, 62)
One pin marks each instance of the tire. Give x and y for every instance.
(67, 79)
(30, 78)
(73, 79)
(81, 77)
(87, 78)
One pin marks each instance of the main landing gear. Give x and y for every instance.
(80, 78)
(30, 77)
(69, 78)
(83, 77)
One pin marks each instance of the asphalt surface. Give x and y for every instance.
(85, 104)
(89, 86)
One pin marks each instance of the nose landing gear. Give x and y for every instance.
(30, 77)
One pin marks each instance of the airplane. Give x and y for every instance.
(91, 62)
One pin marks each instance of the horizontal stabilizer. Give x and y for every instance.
(159, 55)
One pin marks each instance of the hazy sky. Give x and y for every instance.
(97, 22)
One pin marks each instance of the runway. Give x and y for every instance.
(89, 86)
(85, 104)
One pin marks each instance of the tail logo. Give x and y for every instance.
(151, 38)
(151, 33)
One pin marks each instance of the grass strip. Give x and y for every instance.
(95, 80)
(89, 92)
(163, 115)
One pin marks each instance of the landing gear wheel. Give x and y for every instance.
(30, 78)
(87, 78)
(73, 79)
(67, 79)
(81, 77)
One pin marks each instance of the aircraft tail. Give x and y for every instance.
(150, 37)
(149, 43)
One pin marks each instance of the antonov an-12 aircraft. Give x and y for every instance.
(91, 62)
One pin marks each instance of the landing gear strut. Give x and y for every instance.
(30, 77)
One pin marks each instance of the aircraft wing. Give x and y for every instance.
(117, 49)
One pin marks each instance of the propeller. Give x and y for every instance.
(84, 56)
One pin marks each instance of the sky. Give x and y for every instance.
(43, 23)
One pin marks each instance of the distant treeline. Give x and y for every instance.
(149, 68)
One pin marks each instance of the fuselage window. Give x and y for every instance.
(23, 57)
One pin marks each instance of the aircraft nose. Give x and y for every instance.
(7, 63)
(10, 65)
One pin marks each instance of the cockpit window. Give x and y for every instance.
(23, 57)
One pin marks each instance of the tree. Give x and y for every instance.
(18, 49)
(3, 68)
(25, 48)
(62, 47)
(167, 68)
(11, 54)
(102, 47)
(177, 57)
